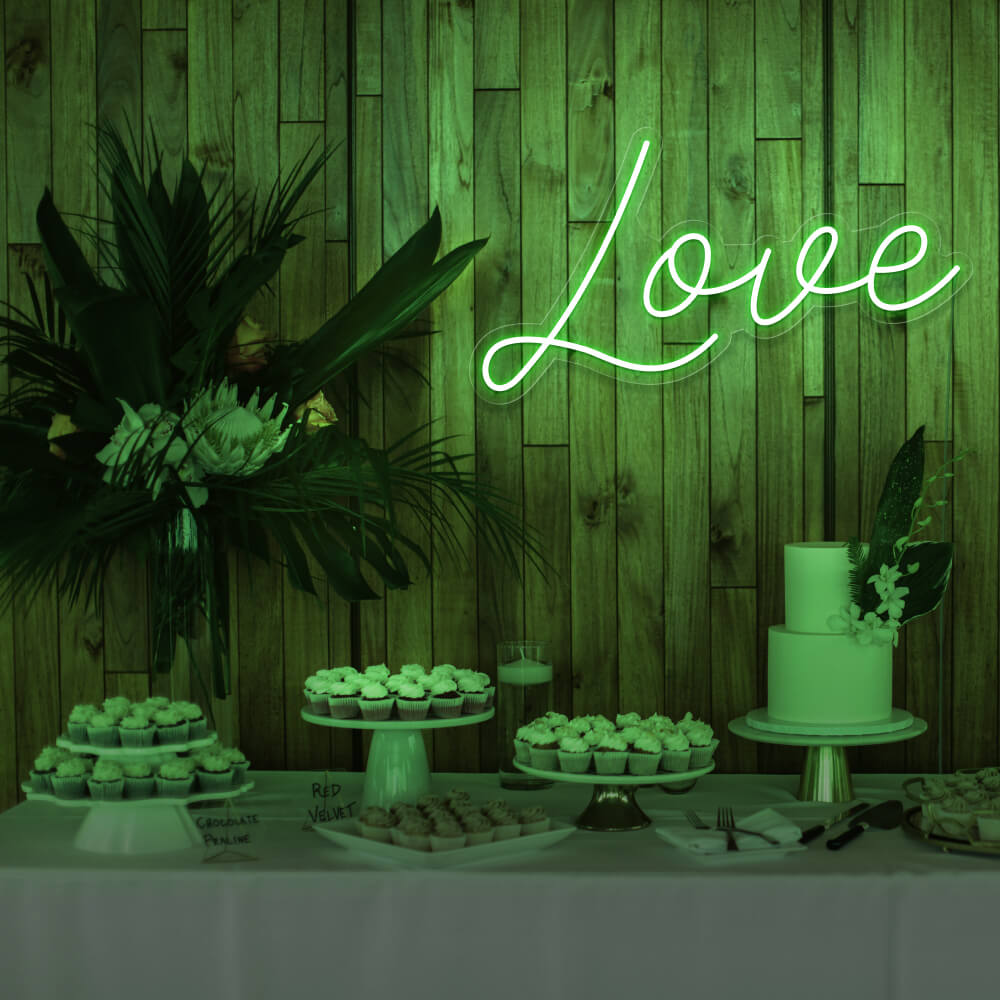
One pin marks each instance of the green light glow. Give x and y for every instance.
(808, 285)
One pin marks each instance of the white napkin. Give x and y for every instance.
(714, 841)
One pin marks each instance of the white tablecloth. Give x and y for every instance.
(596, 915)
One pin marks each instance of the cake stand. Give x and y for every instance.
(825, 774)
(137, 826)
(397, 768)
(612, 807)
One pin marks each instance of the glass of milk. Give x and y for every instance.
(524, 692)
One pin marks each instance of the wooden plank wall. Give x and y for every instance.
(663, 508)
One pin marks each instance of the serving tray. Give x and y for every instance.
(912, 824)
(347, 833)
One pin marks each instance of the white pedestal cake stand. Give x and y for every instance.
(612, 807)
(825, 774)
(137, 826)
(397, 768)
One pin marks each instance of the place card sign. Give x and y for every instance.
(325, 805)
(231, 830)
(940, 285)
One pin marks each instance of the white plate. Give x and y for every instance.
(347, 833)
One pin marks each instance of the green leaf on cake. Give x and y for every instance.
(927, 587)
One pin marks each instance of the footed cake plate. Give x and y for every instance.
(759, 718)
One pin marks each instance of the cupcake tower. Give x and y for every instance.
(412, 695)
(447, 823)
(137, 725)
(593, 744)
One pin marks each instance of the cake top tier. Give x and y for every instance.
(817, 584)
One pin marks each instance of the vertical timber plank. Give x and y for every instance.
(881, 78)
(338, 117)
(300, 60)
(497, 45)
(778, 65)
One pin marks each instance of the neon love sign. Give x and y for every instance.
(808, 285)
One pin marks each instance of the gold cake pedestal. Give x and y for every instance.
(825, 774)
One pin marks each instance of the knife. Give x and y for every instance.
(886, 816)
(814, 831)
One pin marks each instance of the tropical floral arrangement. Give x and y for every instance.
(160, 417)
(895, 579)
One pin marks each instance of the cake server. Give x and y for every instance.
(814, 831)
(886, 816)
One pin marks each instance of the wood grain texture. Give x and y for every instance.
(159, 14)
(779, 68)
(337, 107)
(368, 47)
(300, 60)
(497, 45)
(881, 79)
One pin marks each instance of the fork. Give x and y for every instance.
(696, 821)
(728, 823)
(724, 820)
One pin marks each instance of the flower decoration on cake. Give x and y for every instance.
(156, 415)
(896, 578)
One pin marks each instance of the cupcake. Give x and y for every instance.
(376, 823)
(676, 754)
(317, 692)
(394, 682)
(377, 672)
(446, 835)
(574, 755)
(117, 707)
(375, 701)
(174, 779)
(136, 731)
(601, 723)
(478, 828)
(627, 719)
(703, 744)
(444, 670)
(533, 820)
(171, 726)
(156, 702)
(214, 773)
(522, 745)
(446, 699)
(69, 781)
(490, 687)
(107, 782)
(414, 832)
(412, 671)
(644, 755)
(138, 780)
(412, 701)
(429, 801)
(579, 725)
(473, 692)
(593, 737)
(197, 723)
(611, 754)
(45, 767)
(78, 719)
(505, 824)
(543, 747)
(102, 730)
(341, 674)
(343, 698)
(238, 762)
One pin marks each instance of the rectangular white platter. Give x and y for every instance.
(346, 833)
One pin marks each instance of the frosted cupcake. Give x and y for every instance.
(394, 682)
(703, 743)
(627, 719)
(522, 745)
(574, 755)
(69, 781)
(412, 701)
(375, 702)
(214, 773)
(447, 834)
(411, 671)
(473, 693)
(601, 723)
(478, 829)
(506, 825)
(174, 779)
(377, 672)
(593, 737)
(342, 674)
(611, 754)
(45, 767)
(107, 782)
(136, 731)
(414, 832)
(138, 780)
(444, 670)
(238, 762)
(171, 726)
(543, 747)
(446, 699)
(553, 719)
(317, 692)
(644, 755)
(197, 723)
(102, 730)
(490, 687)
(78, 719)
(376, 824)
(116, 707)
(676, 754)
(533, 820)
(343, 698)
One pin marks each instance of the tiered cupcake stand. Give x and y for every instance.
(137, 826)
(825, 774)
(612, 806)
(397, 761)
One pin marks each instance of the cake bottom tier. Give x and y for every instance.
(815, 679)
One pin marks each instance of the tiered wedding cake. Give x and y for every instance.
(819, 680)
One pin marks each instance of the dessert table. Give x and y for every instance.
(280, 911)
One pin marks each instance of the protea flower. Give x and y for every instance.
(228, 438)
